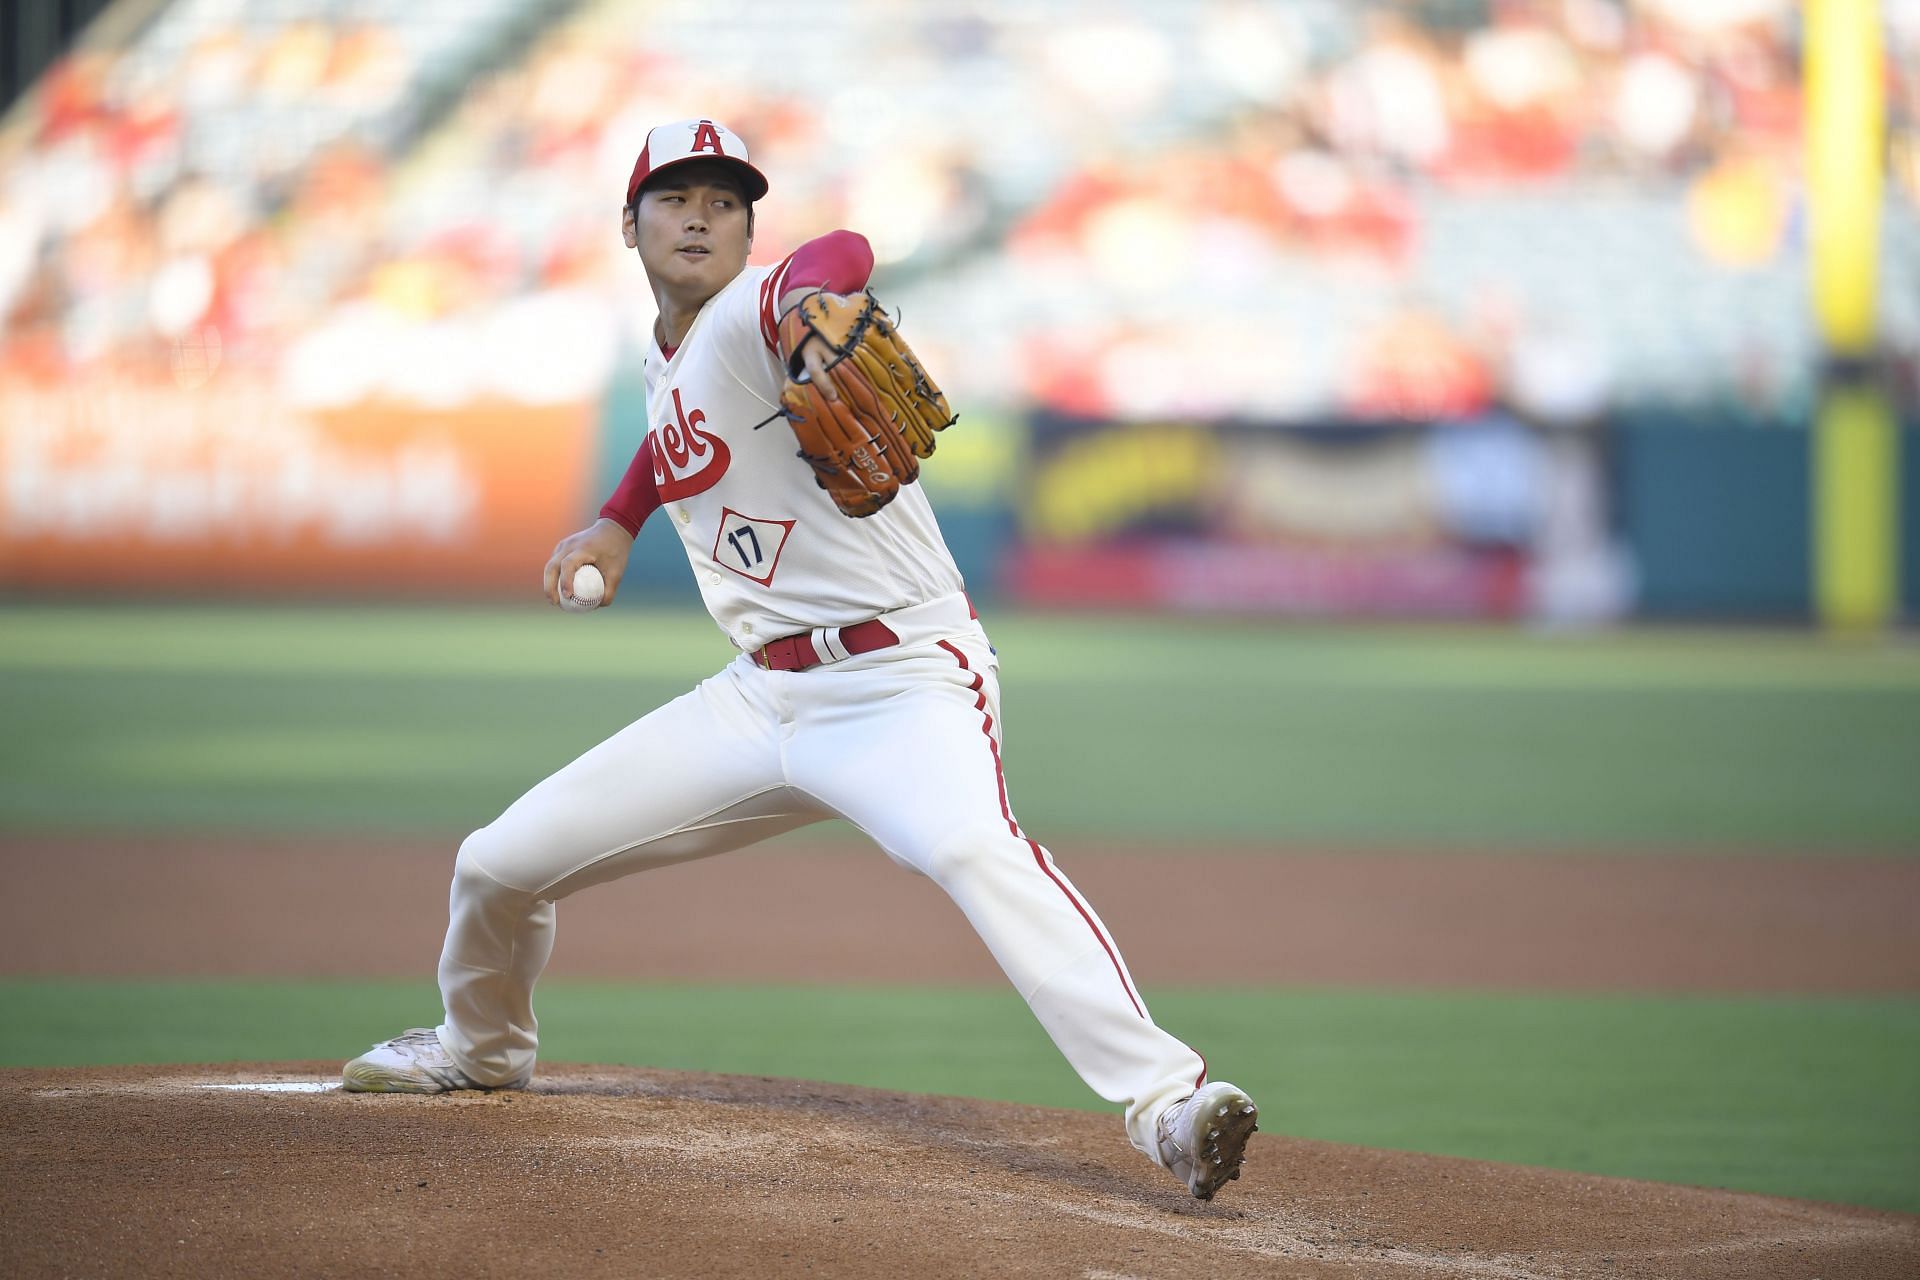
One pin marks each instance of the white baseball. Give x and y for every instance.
(589, 588)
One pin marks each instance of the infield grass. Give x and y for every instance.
(311, 718)
(1810, 1098)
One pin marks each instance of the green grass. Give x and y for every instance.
(1812, 1098)
(349, 719)
(1148, 728)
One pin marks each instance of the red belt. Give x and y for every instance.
(797, 652)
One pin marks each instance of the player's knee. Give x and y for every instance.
(965, 852)
(476, 871)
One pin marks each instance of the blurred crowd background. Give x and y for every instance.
(1461, 307)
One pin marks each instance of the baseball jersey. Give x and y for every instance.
(770, 552)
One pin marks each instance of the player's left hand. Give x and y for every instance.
(815, 353)
(815, 356)
(860, 403)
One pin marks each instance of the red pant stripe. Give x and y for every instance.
(1039, 855)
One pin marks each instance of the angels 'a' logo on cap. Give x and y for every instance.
(664, 146)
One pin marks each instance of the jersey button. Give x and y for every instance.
(686, 516)
(713, 579)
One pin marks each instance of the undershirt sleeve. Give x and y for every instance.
(839, 262)
(637, 496)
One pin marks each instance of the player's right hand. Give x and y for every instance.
(604, 544)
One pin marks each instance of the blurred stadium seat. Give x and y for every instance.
(1290, 213)
(268, 168)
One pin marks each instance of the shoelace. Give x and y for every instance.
(1170, 1124)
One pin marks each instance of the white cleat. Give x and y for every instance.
(1203, 1140)
(413, 1062)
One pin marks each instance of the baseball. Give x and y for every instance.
(589, 588)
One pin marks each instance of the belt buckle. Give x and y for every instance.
(764, 654)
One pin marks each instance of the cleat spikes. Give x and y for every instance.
(1202, 1140)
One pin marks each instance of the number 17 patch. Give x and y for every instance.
(750, 547)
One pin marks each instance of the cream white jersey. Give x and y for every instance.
(771, 553)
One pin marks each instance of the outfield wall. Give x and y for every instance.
(157, 487)
(1719, 517)
(161, 487)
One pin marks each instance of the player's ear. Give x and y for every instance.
(749, 224)
(630, 227)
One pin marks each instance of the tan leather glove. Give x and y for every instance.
(867, 443)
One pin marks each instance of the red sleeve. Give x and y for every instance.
(839, 262)
(638, 495)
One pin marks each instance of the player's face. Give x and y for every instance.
(692, 232)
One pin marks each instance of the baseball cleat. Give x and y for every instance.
(1203, 1139)
(413, 1062)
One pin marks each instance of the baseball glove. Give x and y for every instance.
(869, 442)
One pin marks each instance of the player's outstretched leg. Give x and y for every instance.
(929, 726)
(1029, 913)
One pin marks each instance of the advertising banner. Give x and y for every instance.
(1403, 519)
(145, 486)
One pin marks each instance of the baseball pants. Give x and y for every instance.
(904, 743)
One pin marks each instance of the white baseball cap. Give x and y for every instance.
(683, 140)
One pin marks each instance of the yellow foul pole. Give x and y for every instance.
(1855, 458)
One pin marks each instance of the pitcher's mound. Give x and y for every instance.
(613, 1171)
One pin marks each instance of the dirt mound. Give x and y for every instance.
(620, 1172)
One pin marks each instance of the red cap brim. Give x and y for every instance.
(753, 183)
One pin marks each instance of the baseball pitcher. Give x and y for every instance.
(865, 687)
